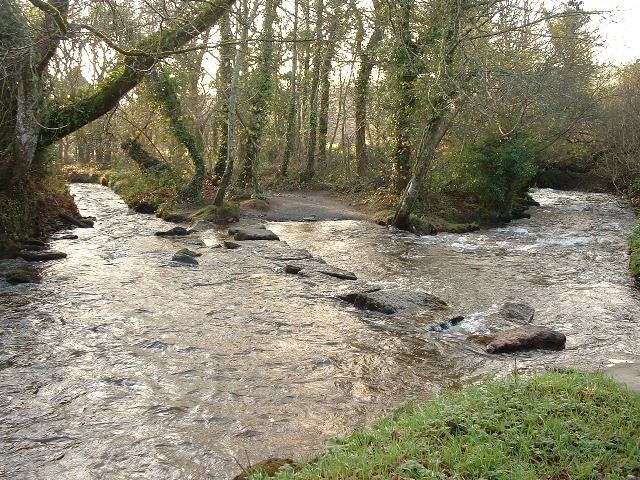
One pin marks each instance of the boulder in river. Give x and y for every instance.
(22, 276)
(391, 301)
(174, 232)
(255, 234)
(182, 258)
(42, 256)
(202, 225)
(293, 269)
(66, 236)
(229, 245)
(527, 338)
(36, 242)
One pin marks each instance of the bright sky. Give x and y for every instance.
(620, 29)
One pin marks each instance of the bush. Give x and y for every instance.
(497, 172)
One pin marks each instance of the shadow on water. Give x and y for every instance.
(123, 364)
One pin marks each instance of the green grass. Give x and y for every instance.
(634, 251)
(560, 425)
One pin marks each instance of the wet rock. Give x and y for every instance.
(82, 222)
(202, 226)
(517, 312)
(228, 244)
(268, 467)
(441, 327)
(69, 236)
(338, 273)
(186, 251)
(182, 258)
(392, 301)
(22, 276)
(42, 256)
(34, 241)
(527, 338)
(144, 206)
(311, 218)
(196, 242)
(233, 231)
(174, 232)
(255, 234)
(35, 248)
(293, 269)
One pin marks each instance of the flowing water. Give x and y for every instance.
(124, 365)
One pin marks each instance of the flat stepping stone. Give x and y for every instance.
(42, 256)
(254, 234)
(527, 338)
(392, 301)
(186, 251)
(182, 258)
(174, 232)
(337, 273)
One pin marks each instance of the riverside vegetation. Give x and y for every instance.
(559, 425)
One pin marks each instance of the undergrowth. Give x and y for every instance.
(560, 425)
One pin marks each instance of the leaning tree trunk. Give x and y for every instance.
(434, 133)
(145, 160)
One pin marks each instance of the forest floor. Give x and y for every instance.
(308, 206)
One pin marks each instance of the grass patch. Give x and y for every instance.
(560, 425)
(634, 251)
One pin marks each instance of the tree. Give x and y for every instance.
(39, 122)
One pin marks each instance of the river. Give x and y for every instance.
(124, 365)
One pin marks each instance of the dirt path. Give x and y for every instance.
(307, 206)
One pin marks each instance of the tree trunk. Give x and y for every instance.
(225, 74)
(433, 136)
(248, 177)
(406, 77)
(312, 128)
(325, 90)
(292, 110)
(238, 66)
(361, 93)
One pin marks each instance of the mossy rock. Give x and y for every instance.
(9, 248)
(384, 216)
(255, 204)
(213, 213)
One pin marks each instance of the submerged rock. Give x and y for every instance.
(174, 232)
(392, 301)
(22, 276)
(441, 327)
(254, 234)
(42, 256)
(527, 338)
(182, 258)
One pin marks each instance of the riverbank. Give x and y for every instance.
(560, 425)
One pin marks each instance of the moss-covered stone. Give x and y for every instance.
(213, 213)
